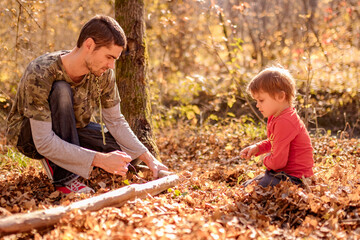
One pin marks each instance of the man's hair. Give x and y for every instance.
(273, 80)
(104, 30)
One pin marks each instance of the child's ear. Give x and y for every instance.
(281, 96)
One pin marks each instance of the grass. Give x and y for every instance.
(12, 160)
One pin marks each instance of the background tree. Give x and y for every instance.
(131, 71)
(317, 40)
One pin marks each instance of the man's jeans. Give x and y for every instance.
(64, 126)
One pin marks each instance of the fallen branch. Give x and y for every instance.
(24, 222)
(350, 221)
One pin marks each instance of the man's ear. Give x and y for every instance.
(89, 44)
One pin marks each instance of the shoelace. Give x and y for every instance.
(76, 185)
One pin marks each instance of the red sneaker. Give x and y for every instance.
(75, 186)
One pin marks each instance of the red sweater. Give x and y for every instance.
(289, 145)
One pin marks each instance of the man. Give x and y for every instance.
(50, 119)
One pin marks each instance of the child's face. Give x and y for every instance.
(269, 105)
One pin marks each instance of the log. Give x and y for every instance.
(24, 222)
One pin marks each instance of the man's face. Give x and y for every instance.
(100, 60)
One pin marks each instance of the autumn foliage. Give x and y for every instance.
(210, 203)
(202, 53)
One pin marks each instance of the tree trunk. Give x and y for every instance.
(131, 72)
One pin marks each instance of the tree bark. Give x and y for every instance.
(25, 222)
(131, 72)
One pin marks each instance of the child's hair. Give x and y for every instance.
(273, 80)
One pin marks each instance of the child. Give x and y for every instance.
(288, 146)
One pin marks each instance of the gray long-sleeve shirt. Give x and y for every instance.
(78, 159)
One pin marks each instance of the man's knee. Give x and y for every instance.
(61, 94)
(61, 89)
(90, 137)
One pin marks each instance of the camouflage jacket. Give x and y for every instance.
(35, 85)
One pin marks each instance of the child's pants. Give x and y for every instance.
(272, 178)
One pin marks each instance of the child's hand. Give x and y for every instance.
(250, 151)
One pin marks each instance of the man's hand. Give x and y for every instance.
(115, 162)
(154, 165)
(250, 151)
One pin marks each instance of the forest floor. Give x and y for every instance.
(209, 204)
